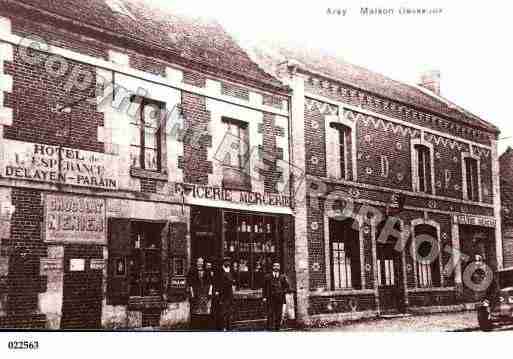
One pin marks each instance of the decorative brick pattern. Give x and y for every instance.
(25, 249)
(35, 96)
(235, 91)
(196, 166)
(59, 37)
(194, 78)
(148, 185)
(397, 110)
(315, 143)
(269, 156)
(147, 64)
(274, 101)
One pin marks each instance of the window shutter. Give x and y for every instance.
(177, 253)
(166, 265)
(119, 250)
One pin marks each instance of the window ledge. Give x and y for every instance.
(332, 293)
(431, 289)
(140, 173)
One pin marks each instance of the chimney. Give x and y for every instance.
(430, 80)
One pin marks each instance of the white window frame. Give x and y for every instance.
(327, 249)
(464, 186)
(333, 160)
(415, 164)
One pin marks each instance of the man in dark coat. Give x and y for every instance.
(200, 294)
(275, 288)
(224, 288)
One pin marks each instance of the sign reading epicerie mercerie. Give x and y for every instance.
(74, 218)
(229, 195)
(55, 164)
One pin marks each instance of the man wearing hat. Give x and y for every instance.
(224, 288)
(275, 288)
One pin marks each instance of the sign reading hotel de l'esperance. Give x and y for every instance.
(56, 164)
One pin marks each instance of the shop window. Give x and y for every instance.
(472, 177)
(179, 266)
(422, 168)
(145, 261)
(428, 271)
(146, 140)
(236, 156)
(253, 243)
(386, 272)
(345, 256)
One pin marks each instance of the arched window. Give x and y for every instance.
(427, 256)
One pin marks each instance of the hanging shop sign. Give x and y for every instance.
(74, 219)
(474, 220)
(56, 164)
(193, 194)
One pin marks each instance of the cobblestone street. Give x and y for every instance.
(444, 322)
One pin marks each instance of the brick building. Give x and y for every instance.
(134, 141)
(370, 145)
(108, 195)
(506, 177)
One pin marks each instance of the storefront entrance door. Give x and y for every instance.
(390, 288)
(82, 297)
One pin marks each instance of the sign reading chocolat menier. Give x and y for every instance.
(74, 219)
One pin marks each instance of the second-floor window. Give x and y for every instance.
(236, 156)
(472, 189)
(145, 143)
(423, 168)
(343, 149)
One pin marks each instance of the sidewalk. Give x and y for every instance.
(415, 323)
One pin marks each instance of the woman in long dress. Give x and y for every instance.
(200, 294)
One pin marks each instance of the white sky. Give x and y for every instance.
(470, 43)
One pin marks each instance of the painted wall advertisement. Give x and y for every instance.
(56, 164)
(71, 218)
